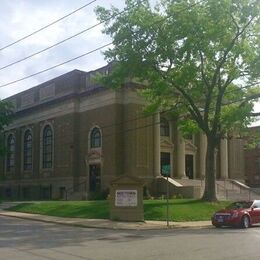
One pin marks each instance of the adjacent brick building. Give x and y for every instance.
(252, 158)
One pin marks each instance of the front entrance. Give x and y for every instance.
(189, 166)
(94, 177)
(165, 163)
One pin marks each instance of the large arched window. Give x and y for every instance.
(10, 158)
(95, 138)
(47, 147)
(27, 151)
(164, 127)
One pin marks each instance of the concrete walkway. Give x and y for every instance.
(105, 223)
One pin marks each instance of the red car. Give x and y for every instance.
(240, 214)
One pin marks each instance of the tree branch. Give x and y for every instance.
(252, 97)
(255, 114)
(235, 23)
(226, 52)
(202, 69)
(193, 108)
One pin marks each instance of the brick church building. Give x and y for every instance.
(72, 136)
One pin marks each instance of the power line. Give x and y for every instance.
(127, 9)
(64, 40)
(75, 35)
(102, 127)
(84, 54)
(152, 124)
(55, 66)
(117, 132)
(46, 26)
(130, 119)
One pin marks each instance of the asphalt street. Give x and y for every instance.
(24, 239)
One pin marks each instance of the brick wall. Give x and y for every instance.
(252, 166)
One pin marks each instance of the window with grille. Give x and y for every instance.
(95, 138)
(27, 151)
(10, 158)
(47, 148)
(164, 127)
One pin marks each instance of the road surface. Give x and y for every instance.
(26, 240)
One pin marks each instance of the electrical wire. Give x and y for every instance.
(64, 40)
(80, 56)
(103, 127)
(55, 66)
(46, 26)
(127, 9)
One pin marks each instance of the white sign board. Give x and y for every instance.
(126, 198)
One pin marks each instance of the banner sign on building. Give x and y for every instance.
(166, 170)
(126, 198)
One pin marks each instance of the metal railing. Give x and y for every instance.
(71, 190)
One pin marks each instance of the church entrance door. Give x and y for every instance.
(94, 177)
(189, 165)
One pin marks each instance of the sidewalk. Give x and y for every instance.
(106, 223)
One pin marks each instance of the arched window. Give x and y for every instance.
(10, 158)
(164, 127)
(95, 138)
(47, 147)
(27, 151)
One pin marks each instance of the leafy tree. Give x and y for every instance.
(5, 119)
(198, 59)
(252, 137)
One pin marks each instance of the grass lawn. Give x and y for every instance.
(179, 209)
(71, 209)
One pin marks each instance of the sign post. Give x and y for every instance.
(166, 169)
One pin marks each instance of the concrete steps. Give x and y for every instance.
(226, 189)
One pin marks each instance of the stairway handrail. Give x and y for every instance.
(72, 188)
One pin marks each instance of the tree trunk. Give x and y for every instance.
(210, 175)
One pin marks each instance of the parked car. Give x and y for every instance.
(240, 214)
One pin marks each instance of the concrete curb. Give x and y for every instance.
(108, 224)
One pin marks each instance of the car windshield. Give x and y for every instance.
(240, 205)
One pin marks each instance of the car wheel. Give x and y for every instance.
(245, 222)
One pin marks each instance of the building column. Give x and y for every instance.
(157, 144)
(179, 150)
(202, 155)
(223, 155)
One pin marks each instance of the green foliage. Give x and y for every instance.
(252, 137)
(188, 127)
(199, 58)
